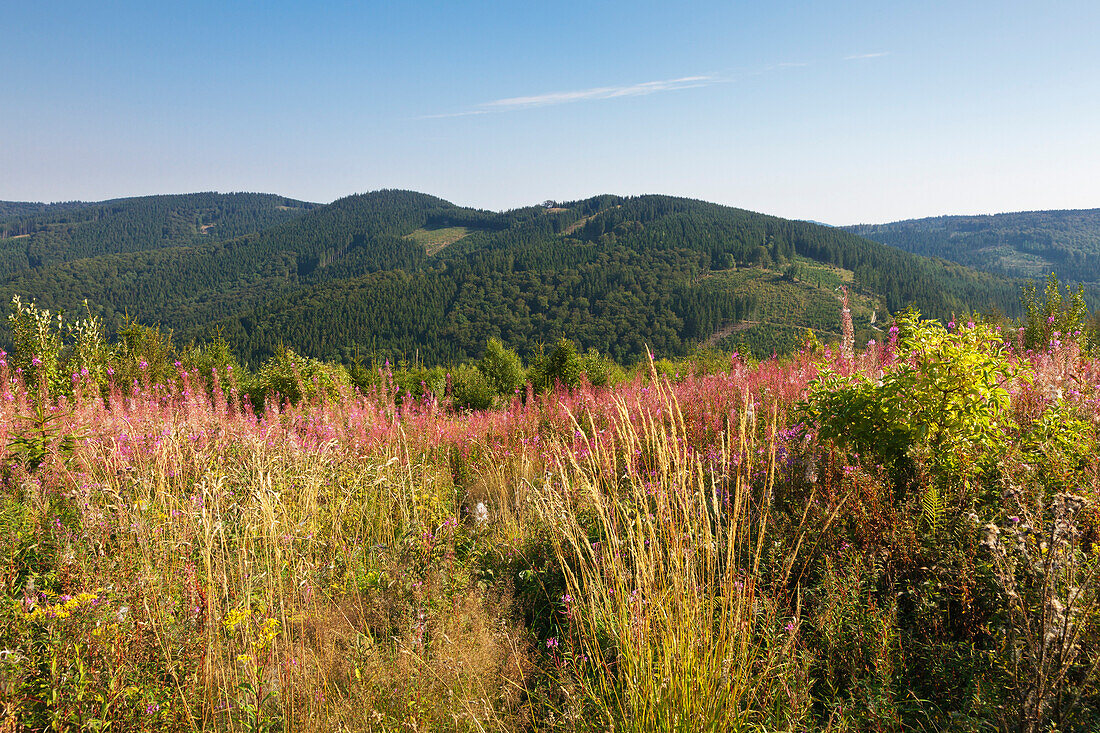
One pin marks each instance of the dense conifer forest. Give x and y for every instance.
(1029, 244)
(406, 276)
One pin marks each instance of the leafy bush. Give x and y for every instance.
(90, 356)
(561, 366)
(294, 377)
(502, 368)
(1052, 316)
(944, 403)
(599, 370)
(143, 354)
(213, 361)
(470, 389)
(36, 334)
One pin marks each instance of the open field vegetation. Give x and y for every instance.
(898, 537)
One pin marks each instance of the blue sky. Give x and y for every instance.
(842, 112)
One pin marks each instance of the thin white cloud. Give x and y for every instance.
(549, 99)
(859, 56)
(791, 64)
(581, 95)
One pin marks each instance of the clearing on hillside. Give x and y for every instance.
(434, 240)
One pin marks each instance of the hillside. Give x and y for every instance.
(33, 236)
(1029, 244)
(398, 274)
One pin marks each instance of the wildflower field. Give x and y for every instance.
(899, 538)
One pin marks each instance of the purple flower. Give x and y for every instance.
(552, 642)
(151, 708)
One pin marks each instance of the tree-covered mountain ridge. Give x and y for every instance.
(1027, 244)
(400, 274)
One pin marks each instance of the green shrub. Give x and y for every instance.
(294, 377)
(943, 404)
(470, 389)
(1052, 313)
(90, 355)
(213, 357)
(600, 370)
(561, 366)
(421, 382)
(144, 354)
(36, 335)
(502, 369)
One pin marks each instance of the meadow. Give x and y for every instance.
(900, 537)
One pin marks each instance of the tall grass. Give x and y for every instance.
(669, 622)
(662, 555)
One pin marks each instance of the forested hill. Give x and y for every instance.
(37, 235)
(1029, 244)
(395, 274)
(14, 209)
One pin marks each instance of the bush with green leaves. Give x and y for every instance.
(37, 337)
(1053, 316)
(502, 369)
(944, 403)
(599, 370)
(213, 361)
(143, 354)
(562, 365)
(90, 355)
(294, 377)
(470, 390)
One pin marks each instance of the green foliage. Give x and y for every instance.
(1059, 444)
(1053, 316)
(561, 366)
(1024, 244)
(213, 360)
(470, 390)
(36, 335)
(599, 370)
(293, 377)
(944, 403)
(853, 635)
(615, 274)
(41, 435)
(42, 236)
(90, 356)
(144, 354)
(502, 369)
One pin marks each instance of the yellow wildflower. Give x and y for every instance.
(235, 616)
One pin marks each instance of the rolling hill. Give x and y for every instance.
(33, 236)
(398, 274)
(1028, 244)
